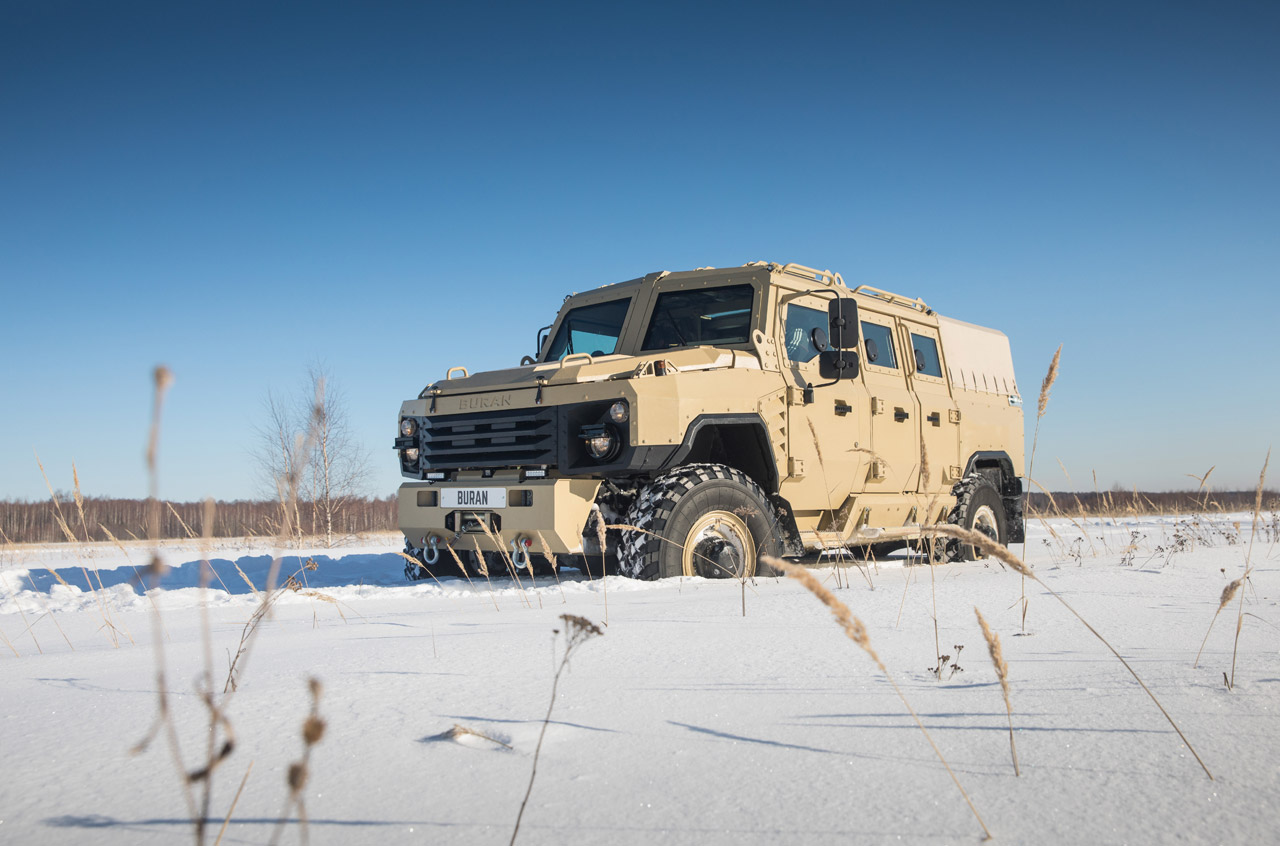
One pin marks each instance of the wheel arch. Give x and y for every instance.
(740, 441)
(997, 466)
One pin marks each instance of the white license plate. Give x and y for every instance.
(477, 498)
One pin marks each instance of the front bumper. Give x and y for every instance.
(557, 510)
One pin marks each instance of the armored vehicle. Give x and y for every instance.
(700, 419)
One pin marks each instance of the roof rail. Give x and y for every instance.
(826, 277)
(890, 297)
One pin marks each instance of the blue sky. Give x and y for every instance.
(240, 189)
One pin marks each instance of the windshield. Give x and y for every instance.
(592, 329)
(703, 316)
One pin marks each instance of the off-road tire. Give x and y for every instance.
(979, 507)
(671, 506)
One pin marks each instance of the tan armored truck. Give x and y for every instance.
(713, 416)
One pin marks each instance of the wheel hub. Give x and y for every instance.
(718, 546)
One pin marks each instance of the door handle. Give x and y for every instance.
(899, 415)
(935, 419)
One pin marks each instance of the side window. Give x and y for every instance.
(801, 322)
(877, 344)
(926, 353)
(701, 316)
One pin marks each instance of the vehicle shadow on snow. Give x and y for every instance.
(383, 570)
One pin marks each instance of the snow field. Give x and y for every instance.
(685, 722)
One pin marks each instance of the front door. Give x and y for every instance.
(827, 435)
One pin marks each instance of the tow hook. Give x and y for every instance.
(520, 552)
(432, 555)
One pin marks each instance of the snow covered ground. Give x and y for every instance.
(686, 722)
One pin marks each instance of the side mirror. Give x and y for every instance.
(838, 364)
(842, 318)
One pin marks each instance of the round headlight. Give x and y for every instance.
(602, 445)
(408, 426)
(619, 413)
(411, 455)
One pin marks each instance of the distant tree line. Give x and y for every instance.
(1122, 502)
(126, 519)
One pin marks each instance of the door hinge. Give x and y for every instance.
(953, 415)
(877, 405)
(878, 469)
(795, 468)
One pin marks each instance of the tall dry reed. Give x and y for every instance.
(1002, 673)
(1248, 565)
(1042, 406)
(857, 632)
(1002, 553)
(577, 631)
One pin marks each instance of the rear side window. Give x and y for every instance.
(704, 316)
(877, 344)
(801, 322)
(926, 353)
(590, 329)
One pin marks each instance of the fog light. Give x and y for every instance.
(619, 413)
(408, 426)
(601, 441)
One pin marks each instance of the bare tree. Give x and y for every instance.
(308, 441)
(339, 464)
(278, 455)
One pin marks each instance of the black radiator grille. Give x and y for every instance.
(520, 437)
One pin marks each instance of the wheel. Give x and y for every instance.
(699, 520)
(978, 507)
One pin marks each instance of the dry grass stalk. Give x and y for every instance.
(1248, 564)
(407, 557)
(1047, 385)
(484, 569)
(999, 551)
(1074, 521)
(9, 644)
(234, 801)
(299, 771)
(578, 630)
(183, 523)
(555, 565)
(857, 632)
(601, 539)
(499, 542)
(459, 730)
(1002, 673)
(1042, 406)
(462, 568)
(680, 546)
(99, 594)
(164, 718)
(1228, 593)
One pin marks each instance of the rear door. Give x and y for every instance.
(895, 430)
(939, 417)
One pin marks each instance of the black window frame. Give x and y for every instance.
(666, 297)
(893, 354)
(937, 356)
(564, 327)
